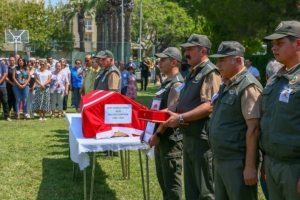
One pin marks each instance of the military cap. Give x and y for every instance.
(104, 54)
(172, 52)
(285, 28)
(197, 40)
(229, 48)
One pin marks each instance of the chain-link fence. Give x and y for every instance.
(63, 49)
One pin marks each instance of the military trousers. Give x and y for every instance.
(229, 181)
(168, 162)
(282, 179)
(198, 172)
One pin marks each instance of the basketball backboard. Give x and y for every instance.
(29, 48)
(17, 36)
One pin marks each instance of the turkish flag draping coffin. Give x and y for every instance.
(106, 114)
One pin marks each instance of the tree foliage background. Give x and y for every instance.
(45, 25)
(246, 21)
(165, 22)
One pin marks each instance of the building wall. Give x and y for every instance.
(90, 35)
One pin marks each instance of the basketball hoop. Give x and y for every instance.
(16, 36)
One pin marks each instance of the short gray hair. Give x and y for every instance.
(242, 59)
(272, 67)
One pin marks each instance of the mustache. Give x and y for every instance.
(188, 57)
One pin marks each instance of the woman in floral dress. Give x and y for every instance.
(42, 93)
(58, 89)
(132, 86)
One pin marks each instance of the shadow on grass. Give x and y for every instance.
(62, 137)
(61, 131)
(57, 182)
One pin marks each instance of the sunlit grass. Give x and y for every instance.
(35, 164)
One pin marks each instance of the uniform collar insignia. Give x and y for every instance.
(295, 79)
(198, 76)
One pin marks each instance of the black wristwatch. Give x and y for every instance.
(158, 134)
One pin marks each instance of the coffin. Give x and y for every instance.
(107, 114)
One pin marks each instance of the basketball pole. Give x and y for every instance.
(16, 45)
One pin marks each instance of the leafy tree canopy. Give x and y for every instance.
(164, 24)
(44, 25)
(246, 21)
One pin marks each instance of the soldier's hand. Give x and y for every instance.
(173, 120)
(153, 141)
(298, 188)
(263, 172)
(250, 176)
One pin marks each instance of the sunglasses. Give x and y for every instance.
(42, 64)
(37, 62)
(77, 63)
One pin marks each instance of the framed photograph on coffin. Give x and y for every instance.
(150, 126)
(149, 130)
(156, 103)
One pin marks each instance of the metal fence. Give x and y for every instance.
(63, 49)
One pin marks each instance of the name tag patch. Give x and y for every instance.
(160, 91)
(214, 98)
(285, 95)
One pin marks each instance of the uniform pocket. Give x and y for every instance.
(229, 99)
(285, 147)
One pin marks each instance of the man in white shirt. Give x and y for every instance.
(52, 63)
(253, 70)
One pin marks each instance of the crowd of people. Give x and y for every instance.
(40, 87)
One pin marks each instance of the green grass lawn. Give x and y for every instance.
(35, 164)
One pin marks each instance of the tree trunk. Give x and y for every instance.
(100, 30)
(128, 6)
(127, 27)
(81, 30)
(119, 31)
(115, 26)
(110, 30)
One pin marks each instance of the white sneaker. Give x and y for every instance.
(44, 118)
(41, 119)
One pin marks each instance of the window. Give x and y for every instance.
(88, 25)
(87, 37)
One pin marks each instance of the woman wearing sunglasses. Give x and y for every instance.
(21, 79)
(76, 83)
(42, 94)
